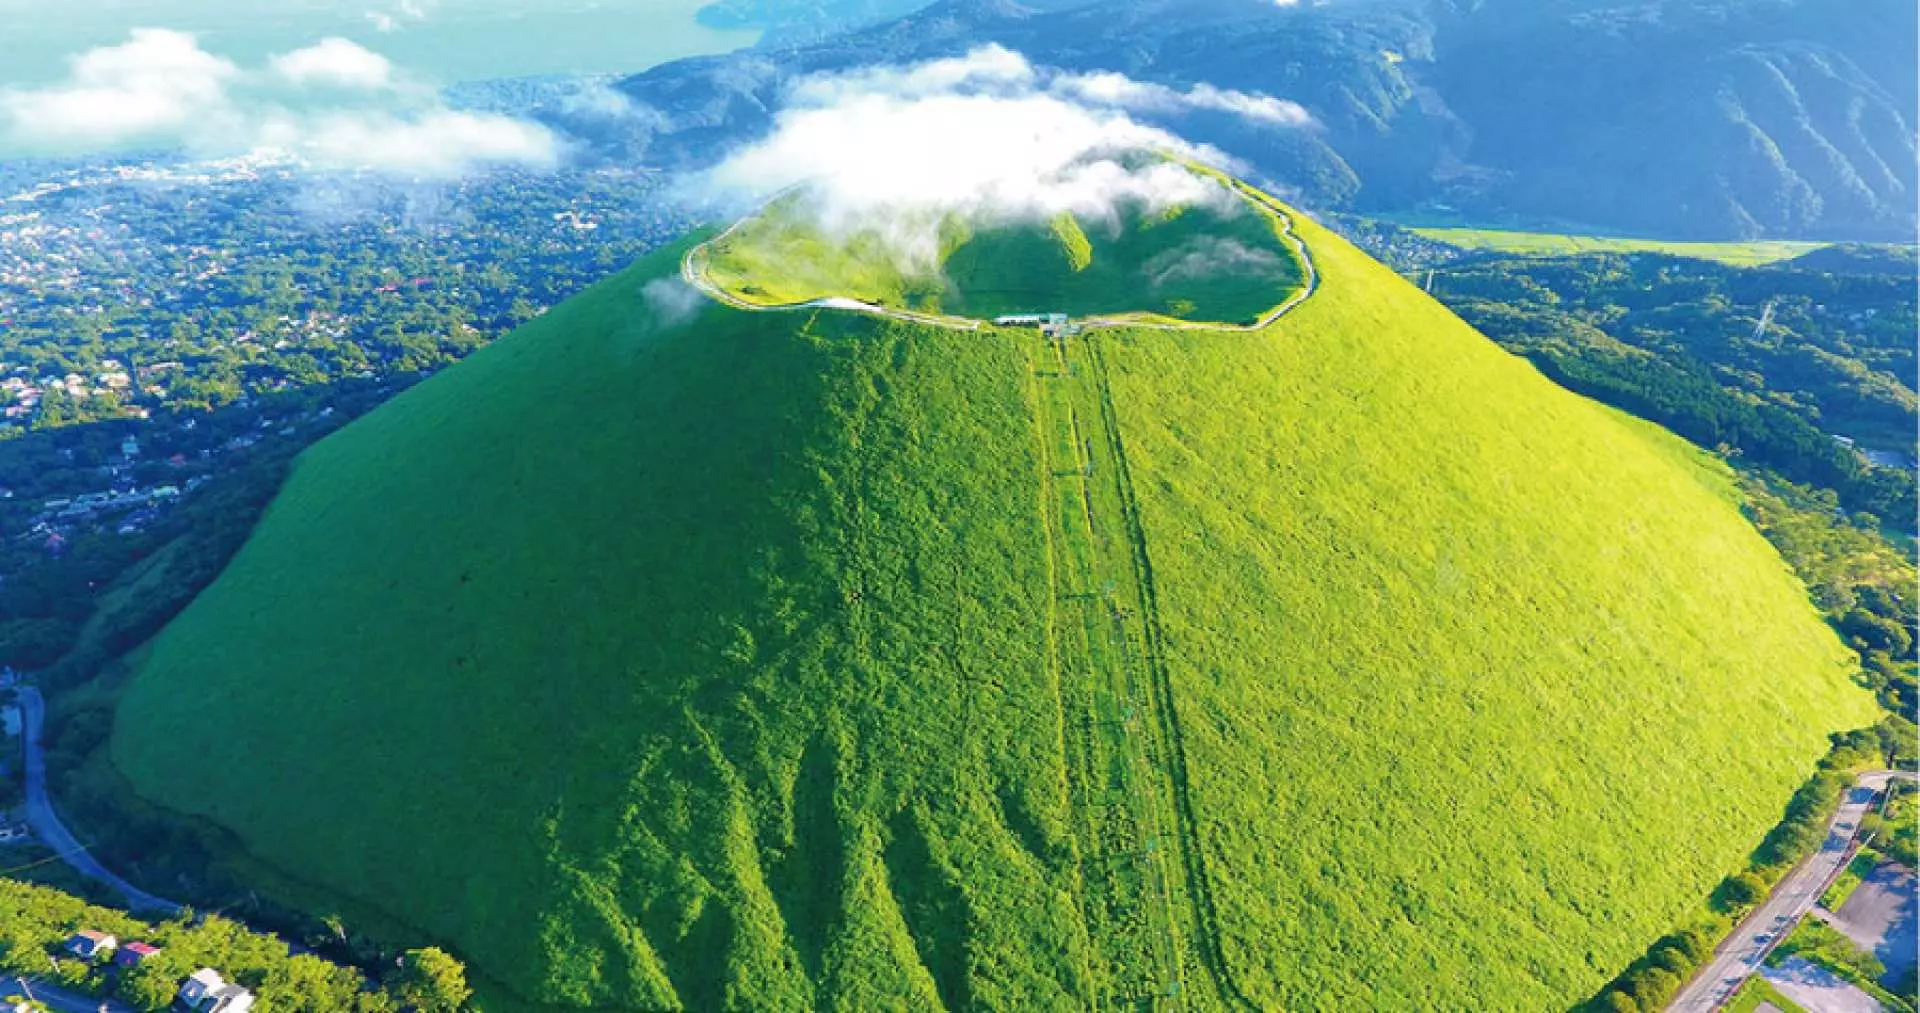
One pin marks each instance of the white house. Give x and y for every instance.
(200, 985)
(206, 992)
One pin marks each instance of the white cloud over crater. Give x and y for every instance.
(987, 134)
(331, 105)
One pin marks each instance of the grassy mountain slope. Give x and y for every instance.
(812, 660)
(674, 615)
(1478, 678)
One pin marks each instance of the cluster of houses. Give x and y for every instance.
(88, 504)
(23, 394)
(145, 507)
(204, 991)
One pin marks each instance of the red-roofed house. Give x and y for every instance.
(132, 954)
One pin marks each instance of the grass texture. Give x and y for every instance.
(657, 659)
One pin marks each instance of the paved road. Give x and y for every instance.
(64, 1001)
(1742, 952)
(54, 834)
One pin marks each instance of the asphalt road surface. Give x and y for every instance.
(1813, 987)
(54, 834)
(1883, 916)
(1742, 952)
(64, 1001)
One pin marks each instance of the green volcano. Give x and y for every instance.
(720, 658)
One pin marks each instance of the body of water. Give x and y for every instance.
(444, 41)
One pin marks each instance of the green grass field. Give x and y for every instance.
(1555, 244)
(817, 661)
(1226, 265)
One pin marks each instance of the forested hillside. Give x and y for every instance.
(1787, 366)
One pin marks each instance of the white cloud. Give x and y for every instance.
(1111, 89)
(894, 149)
(334, 62)
(1026, 154)
(990, 67)
(1205, 256)
(1264, 108)
(596, 100)
(399, 15)
(437, 143)
(346, 110)
(993, 69)
(671, 302)
(156, 82)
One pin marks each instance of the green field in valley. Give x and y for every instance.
(815, 660)
(1556, 244)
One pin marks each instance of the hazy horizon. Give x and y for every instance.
(447, 41)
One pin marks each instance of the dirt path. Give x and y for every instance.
(1125, 897)
(1146, 891)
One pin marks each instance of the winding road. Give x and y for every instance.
(1740, 955)
(46, 823)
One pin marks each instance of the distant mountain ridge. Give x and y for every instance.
(1673, 118)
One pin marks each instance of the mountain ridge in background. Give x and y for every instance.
(1713, 119)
